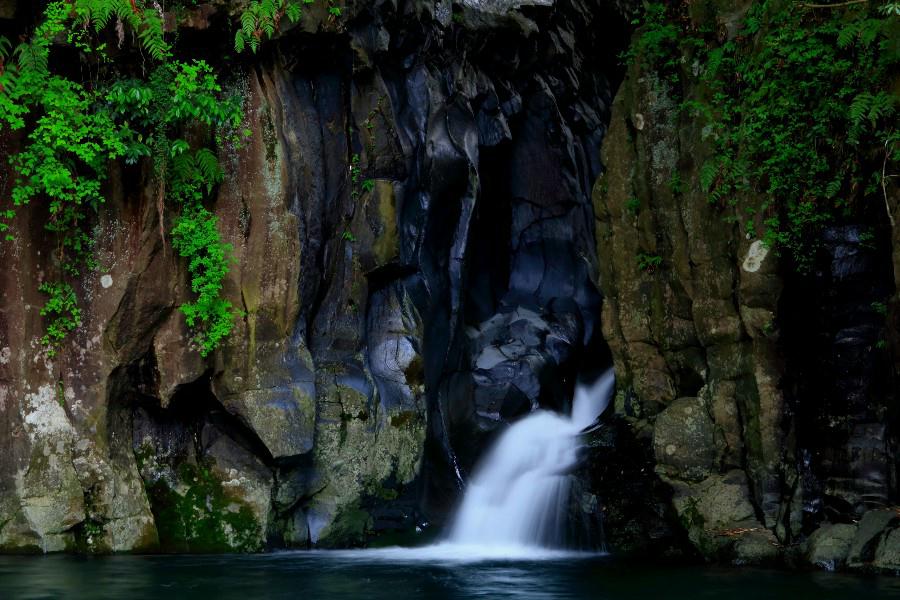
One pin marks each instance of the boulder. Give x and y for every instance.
(683, 440)
(871, 528)
(829, 545)
(757, 547)
(887, 555)
(717, 512)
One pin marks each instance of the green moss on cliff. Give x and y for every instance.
(799, 100)
(199, 516)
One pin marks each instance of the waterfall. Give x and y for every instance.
(519, 494)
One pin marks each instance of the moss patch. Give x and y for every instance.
(89, 538)
(350, 527)
(200, 516)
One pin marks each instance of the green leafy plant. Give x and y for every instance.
(648, 262)
(196, 238)
(262, 19)
(800, 107)
(675, 184)
(355, 176)
(633, 206)
(62, 313)
(76, 126)
(657, 41)
(174, 93)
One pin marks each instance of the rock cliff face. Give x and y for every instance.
(415, 258)
(765, 396)
(424, 252)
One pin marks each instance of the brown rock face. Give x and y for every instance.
(7, 9)
(403, 206)
(105, 442)
(734, 366)
(700, 323)
(421, 257)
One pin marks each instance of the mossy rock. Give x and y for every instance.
(200, 516)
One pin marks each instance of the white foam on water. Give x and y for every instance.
(449, 552)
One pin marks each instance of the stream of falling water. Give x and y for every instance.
(515, 505)
(519, 495)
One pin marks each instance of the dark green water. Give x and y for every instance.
(373, 576)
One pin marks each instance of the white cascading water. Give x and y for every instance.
(519, 495)
(515, 505)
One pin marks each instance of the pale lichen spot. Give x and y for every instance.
(5, 354)
(106, 281)
(44, 416)
(638, 121)
(755, 256)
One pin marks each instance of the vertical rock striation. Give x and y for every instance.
(413, 234)
(765, 395)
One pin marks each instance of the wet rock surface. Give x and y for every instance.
(424, 254)
(390, 328)
(635, 515)
(829, 545)
(766, 394)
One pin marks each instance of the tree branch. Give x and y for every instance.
(887, 204)
(836, 5)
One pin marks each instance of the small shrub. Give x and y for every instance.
(648, 262)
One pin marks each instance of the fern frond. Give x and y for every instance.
(859, 108)
(183, 166)
(833, 187)
(293, 12)
(151, 34)
(882, 105)
(32, 56)
(869, 30)
(248, 22)
(847, 35)
(208, 165)
(708, 173)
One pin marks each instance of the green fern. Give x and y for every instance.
(77, 129)
(208, 166)
(801, 111)
(708, 173)
(33, 57)
(833, 187)
(262, 20)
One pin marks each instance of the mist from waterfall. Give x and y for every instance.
(519, 494)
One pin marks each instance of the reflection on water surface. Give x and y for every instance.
(433, 573)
